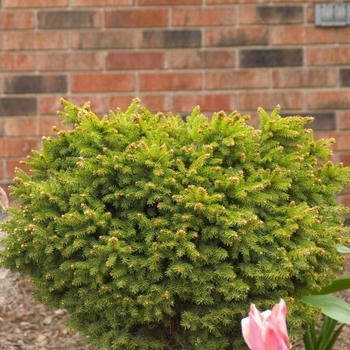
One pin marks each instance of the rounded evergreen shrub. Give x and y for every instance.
(157, 233)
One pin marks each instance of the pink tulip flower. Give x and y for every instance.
(266, 330)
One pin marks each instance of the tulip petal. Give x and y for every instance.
(256, 327)
(274, 339)
(280, 313)
(266, 330)
(280, 310)
(245, 331)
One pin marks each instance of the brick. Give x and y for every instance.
(35, 41)
(2, 170)
(16, 20)
(310, 14)
(99, 3)
(20, 126)
(119, 101)
(323, 121)
(12, 165)
(330, 99)
(169, 2)
(327, 56)
(236, 36)
(69, 19)
(203, 16)
(2, 132)
(171, 38)
(194, 58)
(342, 140)
(271, 58)
(29, 84)
(242, 79)
(345, 200)
(302, 1)
(270, 14)
(290, 35)
(76, 61)
(34, 3)
(344, 35)
(97, 102)
(346, 190)
(49, 105)
(46, 125)
(103, 40)
(102, 82)
(17, 106)
(155, 102)
(170, 81)
(135, 60)
(344, 77)
(345, 159)
(221, 2)
(288, 100)
(343, 120)
(17, 62)
(310, 17)
(136, 18)
(289, 78)
(208, 102)
(17, 147)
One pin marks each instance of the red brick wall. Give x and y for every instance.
(173, 54)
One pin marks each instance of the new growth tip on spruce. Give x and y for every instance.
(156, 232)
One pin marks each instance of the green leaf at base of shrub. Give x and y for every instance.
(333, 307)
(337, 285)
(325, 338)
(343, 249)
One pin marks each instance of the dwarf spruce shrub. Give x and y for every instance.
(158, 233)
